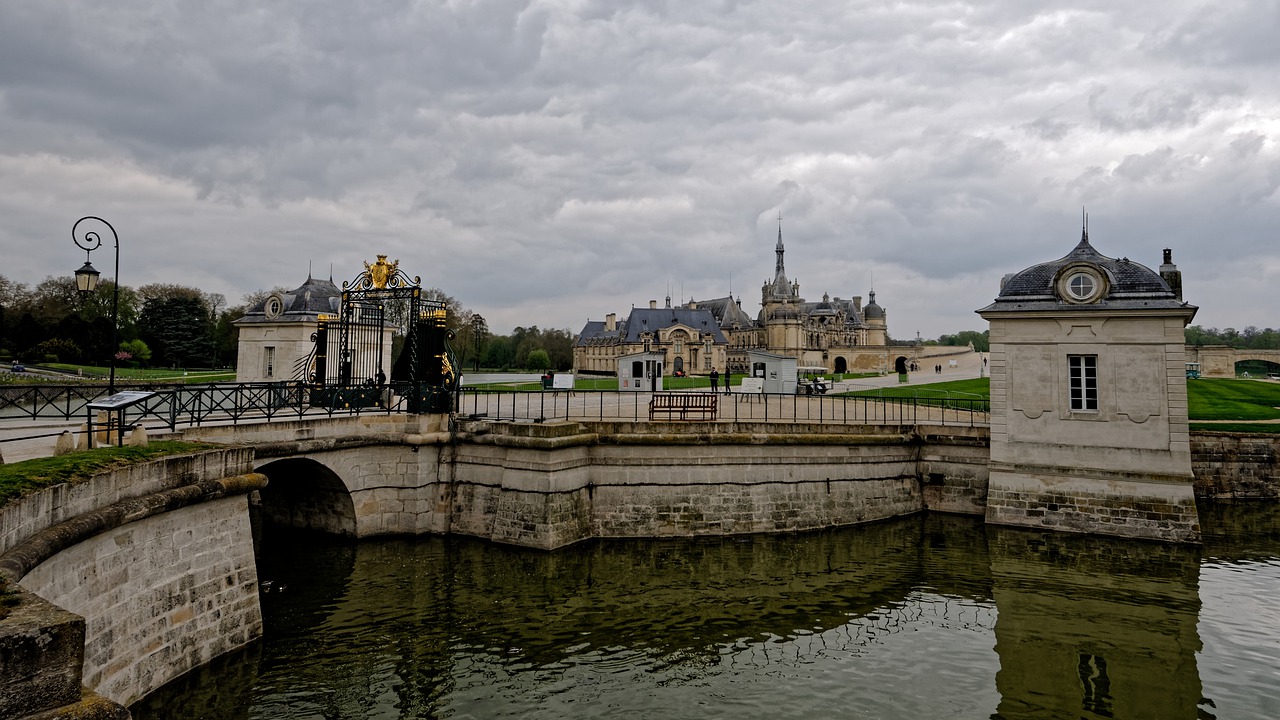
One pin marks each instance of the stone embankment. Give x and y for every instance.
(134, 577)
(124, 582)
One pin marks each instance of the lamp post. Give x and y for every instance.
(88, 239)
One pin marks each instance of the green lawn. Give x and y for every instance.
(972, 389)
(1226, 399)
(1207, 399)
(147, 374)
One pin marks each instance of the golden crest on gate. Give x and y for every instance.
(381, 271)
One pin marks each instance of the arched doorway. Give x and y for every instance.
(304, 494)
(900, 365)
(841, 366)
(678, 365)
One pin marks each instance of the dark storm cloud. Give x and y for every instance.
(549, 160)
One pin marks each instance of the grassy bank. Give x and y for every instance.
(972, 389)
(164, 375)
(28, 475)
(1216, 399)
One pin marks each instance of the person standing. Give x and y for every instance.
(715, 379)
(728, 378)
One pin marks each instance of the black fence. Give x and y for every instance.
(223, 403)
(602, 405)
(173, 405)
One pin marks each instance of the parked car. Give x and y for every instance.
(18, 367)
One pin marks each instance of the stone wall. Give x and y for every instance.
(160, 596)
(553, 484)
(1231, 465)
(37, 511)
(1118, 506)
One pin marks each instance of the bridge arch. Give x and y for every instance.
(302, 493)
(1257, 364)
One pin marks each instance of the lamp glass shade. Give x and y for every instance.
(86, 278)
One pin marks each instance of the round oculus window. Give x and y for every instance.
(273, 308)
(1081, 286)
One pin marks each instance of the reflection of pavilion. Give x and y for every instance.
(1090, 627)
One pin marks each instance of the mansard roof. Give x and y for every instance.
(726, 310)
(302, 304)
(651, 320)
(1128, 284)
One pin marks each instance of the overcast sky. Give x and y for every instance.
(550, 161)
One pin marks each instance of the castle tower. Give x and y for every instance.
(1089, 425)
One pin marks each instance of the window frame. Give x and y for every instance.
(1082, 383)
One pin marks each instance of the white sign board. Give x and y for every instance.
(753, 385)
(562, 381)
(124, 398)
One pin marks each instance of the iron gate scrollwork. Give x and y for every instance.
(352, 356)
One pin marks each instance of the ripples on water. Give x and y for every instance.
(924, 617)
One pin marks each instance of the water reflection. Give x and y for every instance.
(931, 616)
(1093, 628)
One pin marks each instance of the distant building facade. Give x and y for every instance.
(689, 339)
(840, 335)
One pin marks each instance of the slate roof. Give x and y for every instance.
(652, 320)
(1132, 285)
(727, 311)
(873, 311)
(301, 304)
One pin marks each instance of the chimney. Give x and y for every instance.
(611, 322)
(1171, 275)
(653, 304)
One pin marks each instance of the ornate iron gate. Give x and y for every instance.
(353, 350)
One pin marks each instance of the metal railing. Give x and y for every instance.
(233, 403)
(172, 405)
(602, 405)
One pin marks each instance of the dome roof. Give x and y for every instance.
(304, 303)
(1105, 282)
(873, 311)
(1126, 277)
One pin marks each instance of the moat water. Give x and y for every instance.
(925, 617)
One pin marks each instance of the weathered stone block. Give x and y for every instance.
(42, 653)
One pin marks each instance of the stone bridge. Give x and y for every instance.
(1220, 360)
(137, 576)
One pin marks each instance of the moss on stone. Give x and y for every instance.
(28, 476)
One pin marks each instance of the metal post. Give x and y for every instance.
(90, 240)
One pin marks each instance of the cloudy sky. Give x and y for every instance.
(550, 161)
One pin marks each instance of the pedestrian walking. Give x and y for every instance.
(728, 378)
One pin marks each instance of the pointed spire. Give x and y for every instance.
(1084, 227)
(779, 271)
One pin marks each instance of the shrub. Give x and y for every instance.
(55, 350)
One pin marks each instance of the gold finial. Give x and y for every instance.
(381, 271)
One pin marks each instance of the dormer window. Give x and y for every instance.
(1081, 284)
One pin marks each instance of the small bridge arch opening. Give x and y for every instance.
(304, 494)
(1256, 366)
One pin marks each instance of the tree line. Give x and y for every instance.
(1250, 338)
(169, 325)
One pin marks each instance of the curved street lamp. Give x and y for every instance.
(88, 239)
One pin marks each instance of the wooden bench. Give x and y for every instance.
(687, 406)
